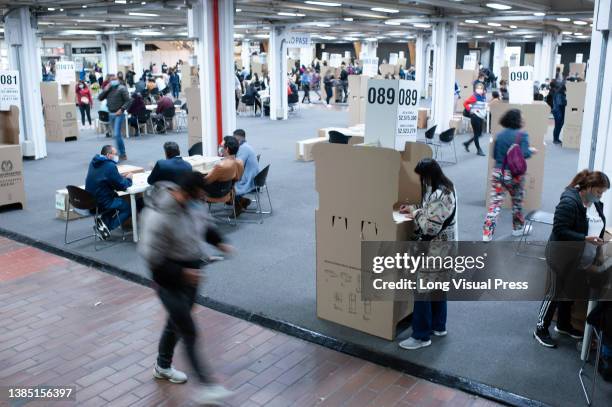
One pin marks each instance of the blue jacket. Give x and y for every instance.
(504, 140)
(103, 179)
(559, 103)
(169, 170)
(251, 169)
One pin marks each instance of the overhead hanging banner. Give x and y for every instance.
(65, 72)
(10, 93)
(298, 40)
(520, 84)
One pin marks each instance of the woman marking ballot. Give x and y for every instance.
(434, 220)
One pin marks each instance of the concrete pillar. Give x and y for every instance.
(499, 49)
(369, 49)
(277, 61)
(109, 54)
(596, 137)
(211, 22)
(245, 55)
(420, 63)
(138, 48)
(24, 56)
(545, 55)
(444, 39)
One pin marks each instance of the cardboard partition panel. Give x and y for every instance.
(577, 68)
(576, 95)
(9, 126)
(61, 122)
(505, 74)
(464, 79)
(387, 69)
(194, 120)
(571, 135)
(536, 125)
(422, 119)
(355, 205)
(12, 189)
(303, 148)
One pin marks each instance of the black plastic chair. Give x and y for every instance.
(81, 199)
(429, 135)
(143, 119)
(223, 192)
(447, 139)
(260, 182)
(104, 118)
(196, 149)
(168, 117)
(177, 102)
(338, 138)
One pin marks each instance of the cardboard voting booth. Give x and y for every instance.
(59, 110)
(303, 148)
(194, 119)
(189, 76)
(574, 111)
(12, 189)
(464, 79)
(359, 187)
(358, 87)
(535, 116)
(577, 68)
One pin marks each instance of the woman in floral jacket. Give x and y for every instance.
(435, 220)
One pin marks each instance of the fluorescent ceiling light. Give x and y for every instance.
(283, 13)
(528, 36)
(328, 37)
(494, 24)
(238, 10)
(348, 18)
(421, 25)
(566, 33)
(479, 36)
(237, 35)
(578, 34)
(322, 25)
(498, 6)
(539, 14)
(380, 37)
(490, 32)
(143, 2)
(578, 22)
(564, 19)
(263, 35)
(471, 21)
(50, 8)
(148, 33)
(323, 3)
(121, 1)
(371, 39)
(351, 39)
(392, 23)
(384, 10)
(61, 9)
(45, 23)
(84, 6)
(513, 27)
(81, 32)
(143, 14)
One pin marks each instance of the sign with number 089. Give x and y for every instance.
(520, 85)
(10, 93)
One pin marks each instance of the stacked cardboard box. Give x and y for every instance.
(59, 110)
(572, 128)
(189, 76)
(577, 68)
(358, 89)
(464, 79)
(194, 119)
(355, 205)
(12, 189)
(535, 116)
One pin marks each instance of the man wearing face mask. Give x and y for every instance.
(174, 226)
(103, 179)
(118, 101)
(573, 248)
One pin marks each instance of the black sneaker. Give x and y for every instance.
(571, 331)
(480, 153)
(102, 229)
(466, 145)
(543, 336)
(557, 142)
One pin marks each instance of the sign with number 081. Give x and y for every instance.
(10, 93)
(520, 85)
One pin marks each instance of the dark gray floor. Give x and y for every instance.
(273, 272)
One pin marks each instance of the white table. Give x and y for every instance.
(139, 185)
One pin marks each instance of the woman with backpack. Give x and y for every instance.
(435, 221)
(510, 151)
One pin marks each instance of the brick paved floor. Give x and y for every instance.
(62, 323)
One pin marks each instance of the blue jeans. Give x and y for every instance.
(116, 121)
(125, 212)
(175, 91)
(428, 316)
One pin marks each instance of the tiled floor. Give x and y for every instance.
(62, 323)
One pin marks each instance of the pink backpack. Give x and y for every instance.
(515, 160)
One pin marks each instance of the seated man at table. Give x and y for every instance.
(172, 167)
(103, 179)
(163, 104)
(251, 168)
(228, 169)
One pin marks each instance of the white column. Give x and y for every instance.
(109, 54)
(597, 119)
(24, 56)
(138, 48)
(245, 55)
(545, 57)
(444, 39)
(420, 63)
(369, 49)
(277, 60)
(499, 49)
(218, 110)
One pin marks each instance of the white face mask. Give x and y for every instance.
(115, 158)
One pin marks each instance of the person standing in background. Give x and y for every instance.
(118, 101)
(84, 101)
(328, 81)
(344, 82)
(475, 109)
(306, 76)
(558, 111)
(174, 82)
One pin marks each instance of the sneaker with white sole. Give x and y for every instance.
(525, 230)
(543, 337)
(170, 374)
(440, 333)
(412, 343)
(212, 394)
(487, 238)
(571, 331)
(102, 229)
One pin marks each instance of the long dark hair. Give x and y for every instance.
(590, 179)
(431, 174)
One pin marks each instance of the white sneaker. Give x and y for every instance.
(212, 394)
(170, 374)
(525, 230)
(440, 333)
(487, 238)
(412, 343)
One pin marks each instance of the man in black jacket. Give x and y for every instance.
(172, 168)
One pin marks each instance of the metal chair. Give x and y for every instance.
(168, 118)
(430, 134)
(447, 139)
(196, 149)
(226, 193)
(144, 118)
(532, 217)
(79, 198)
(336, 137)
(260, 182)
(599, 332)
(181, 119)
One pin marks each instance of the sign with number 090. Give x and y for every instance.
(520, 86)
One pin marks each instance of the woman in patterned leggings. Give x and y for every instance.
(502, 179)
